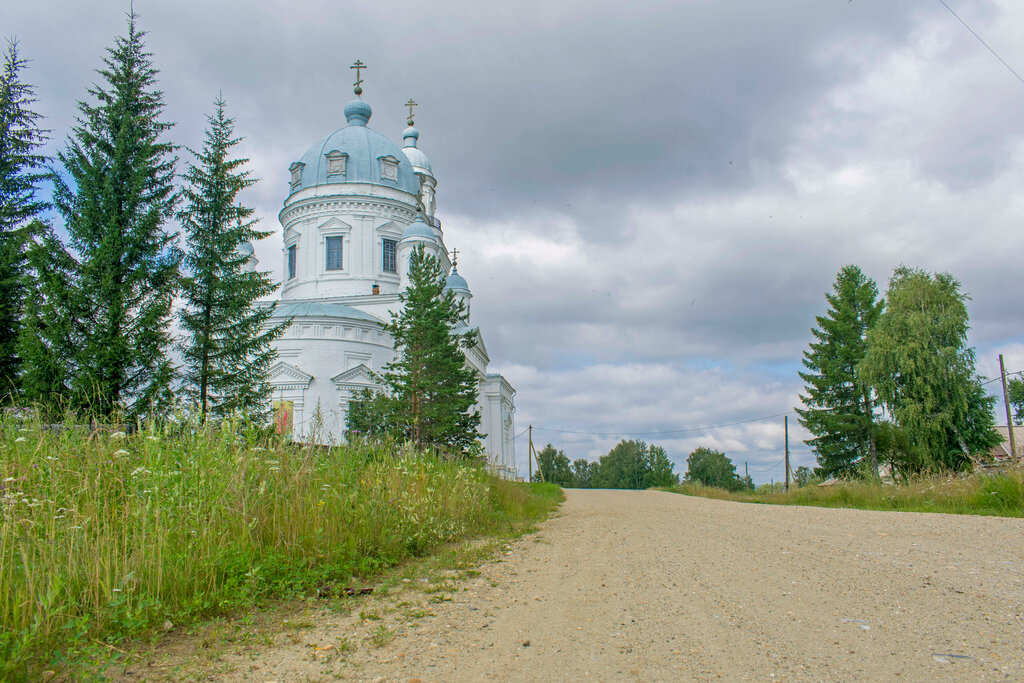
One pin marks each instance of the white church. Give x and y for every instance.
(357, 206)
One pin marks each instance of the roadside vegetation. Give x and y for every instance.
(630, 464)
(999, 495)
(106, 536)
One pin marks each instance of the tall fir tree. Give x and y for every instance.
(116, 195)
(22, 168)
(431, 391)
(227, 350)
(838, 407)
(919, 363)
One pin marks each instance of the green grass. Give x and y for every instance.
(999, 494)
(106, 536)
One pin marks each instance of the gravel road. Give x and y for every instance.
(654, 586)
(629, 585)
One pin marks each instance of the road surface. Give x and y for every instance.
(654, 586)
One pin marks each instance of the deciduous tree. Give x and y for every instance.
(924, 373)
(553, 466)
(712, 468)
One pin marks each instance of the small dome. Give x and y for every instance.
(418, 229)
(245, 249)
(419, 160)
(358, 113)
(456, 282)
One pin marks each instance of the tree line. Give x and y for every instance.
(86, 312)
(891, 380)
(633, 464)
(629, 465)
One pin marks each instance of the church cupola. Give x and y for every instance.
(457, 284)
(420, 165)
(416, 234)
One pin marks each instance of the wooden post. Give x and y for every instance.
(529, 456)
(1006, 402)
(786, 423)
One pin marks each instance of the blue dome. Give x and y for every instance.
(456, 282)
(418, 229)
(357, 154)
(417, 158)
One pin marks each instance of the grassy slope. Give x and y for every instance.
(106, 536)
(980, 494)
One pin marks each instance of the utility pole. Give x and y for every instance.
(1006, 402)
(785, 422)
(529, 456)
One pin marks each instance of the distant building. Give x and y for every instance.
(357, 207)
(1000, 453)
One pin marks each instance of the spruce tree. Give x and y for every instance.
(919, 363)
(115, 201)
(431, 391)
(227, 350)
(21, 169)
(838, 407)
(47, 333)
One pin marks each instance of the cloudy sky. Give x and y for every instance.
(650, 199)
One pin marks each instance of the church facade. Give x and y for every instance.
(357, 206)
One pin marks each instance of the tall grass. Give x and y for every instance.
(1000, 494)
(105, 535)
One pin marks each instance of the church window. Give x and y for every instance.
(389, 168)
(390, 261)
(336, 165)
(334, 245)
(296, 170)
(291, 261)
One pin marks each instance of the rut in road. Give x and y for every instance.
(655, 586)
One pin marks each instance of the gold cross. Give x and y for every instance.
(455, 258)
(411, 104)
(359, 81)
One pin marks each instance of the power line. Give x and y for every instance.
(980, 40)
(1019, 372)
(770, 467)
(664, 433)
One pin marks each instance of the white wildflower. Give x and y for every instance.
(121, 452)
(118, 435)
(20, 438)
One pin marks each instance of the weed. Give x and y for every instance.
(107, 535)
(982, 493)
(382, 635)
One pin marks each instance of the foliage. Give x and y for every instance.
(709, 467)
(582, 473)
(999, 494)
(633, 465)
(227, 352)
(1015, 389)
(838, 407)
(21, 170)
(430, 390)
(47, 328)
(104, 535)
(923, 372)
(803, 476)
(115, 195)
(553, 467)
